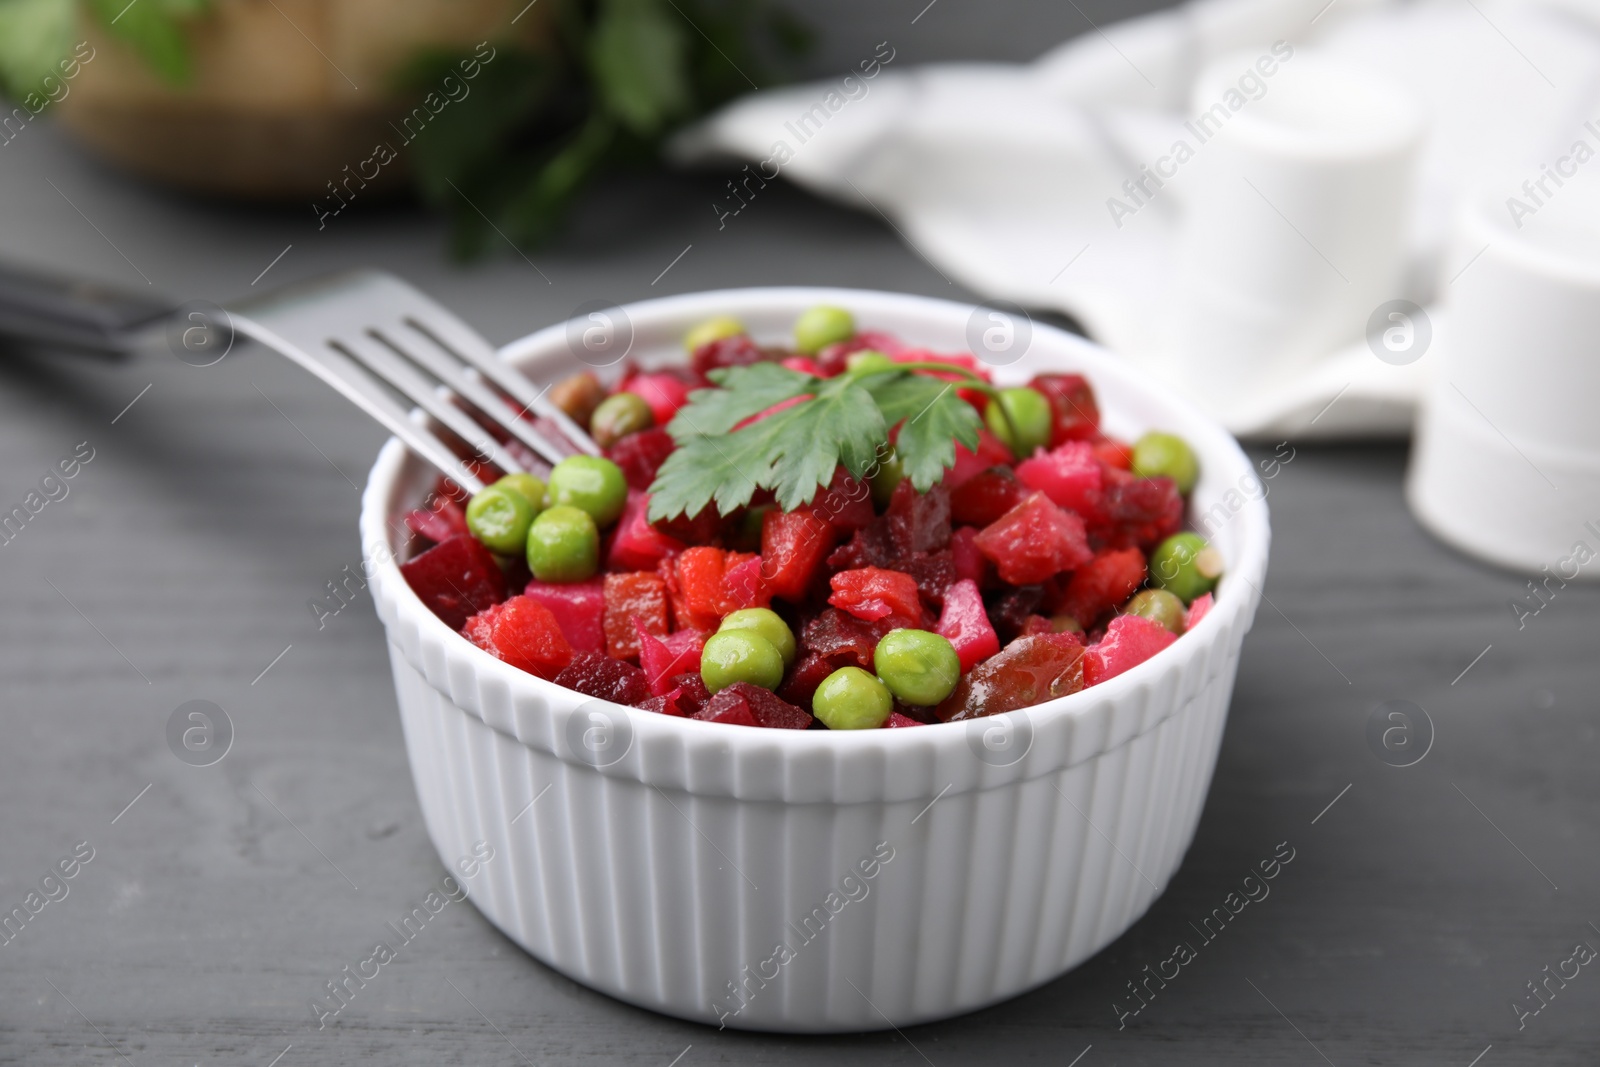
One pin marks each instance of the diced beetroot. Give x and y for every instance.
(918, 522)
(736, 351)
(804, 677)
(665, 704)
(897, 720)
(846, 503)
(842, 639)
(986, 496)
(1069, 475)
(873, 593)
(793, 545)
(728, 706)
(440, 523)
(664, 658)
(637, 545)
(769, 709)
(1138, 511)
(641, 454)
(523, 633)
(1034, 625)
(1074, 414)
(990, 453)
(964, 554)
(692, 695)
(665, 393)
(579, 609)
(1010, 609)
(869, 547)
(601, 676)
(966, 625)
(704, 528)
(1198, 610)
(1102, 584)
(745, 587)
(934, 572)
(1035, 540)
(1129, 641)
(633, 600)
(456, 579)
(1113, 453)
(1028, 671)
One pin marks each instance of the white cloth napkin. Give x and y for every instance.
(1000, 175)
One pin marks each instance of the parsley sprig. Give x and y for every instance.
(844, 420)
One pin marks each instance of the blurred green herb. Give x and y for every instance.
(613, 80)
(37, 34)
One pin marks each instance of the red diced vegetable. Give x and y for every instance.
(444, 521)
(579, 609)
(523, 633)
(1139, 511)
(770, 710)
(640, 455)
(730, 707)
(1074, 415)
(918, 522)
(692, 694)
(964, 554)
(873, 593)
(991, 453)
(897, 721)
(605, 678)
(637, 545)
(1102, 584)
(665, 393)
(1034, 625)
(456, 579)
(1030, 670)
(1113, 453)
(965, 624)
(842, 639)
(637, 597)
(804, 677)
(986, 496)
(736, 351)
(1129, 641)
(743, 579)
(702, 595)
(1198, 610)
(665, 704)
(793, 545)
(1034, 540)
(664, 658)
(1069, 475)
(846, 503)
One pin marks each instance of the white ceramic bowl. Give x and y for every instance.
(816, 881)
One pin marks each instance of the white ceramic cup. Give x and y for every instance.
(1294, 226)
(1506, 461)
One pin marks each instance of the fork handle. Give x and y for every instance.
(45, 310)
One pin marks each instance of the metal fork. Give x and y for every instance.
(367, 332)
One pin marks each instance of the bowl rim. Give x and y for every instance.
(1217, 449)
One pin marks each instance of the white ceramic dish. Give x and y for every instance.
(817, 881)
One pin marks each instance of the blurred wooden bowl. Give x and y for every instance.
(286, 93)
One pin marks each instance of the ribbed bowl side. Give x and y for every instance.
(663, 897)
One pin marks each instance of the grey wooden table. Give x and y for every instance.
(1421, 901)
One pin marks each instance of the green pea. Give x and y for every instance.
(1065, 624)
(886, 479)
(822, 326)
(1158, 455)
(712, 330)
(531, 488)
(740, 656)
(499, 518)
(852, 699)
(563, 545)
(919, 667)
(619, 415)
(867, 361)
(766, 623)
(1185, 566)
(1030, 413)
(591, 484)
(1159, 606)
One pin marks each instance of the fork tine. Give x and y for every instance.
(432, 358)
(388, 367)
(361, 389)
(450, 334)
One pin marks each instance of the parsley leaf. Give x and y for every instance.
(936, 417)
(793, 452)
(745, 391)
